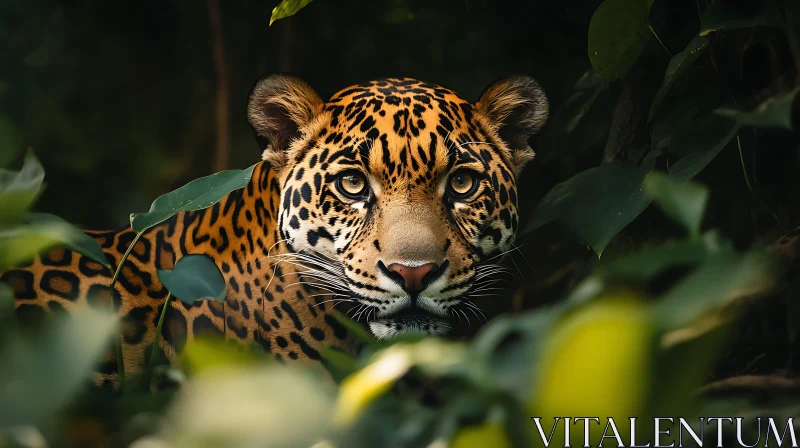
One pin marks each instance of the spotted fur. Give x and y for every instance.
(292, 245)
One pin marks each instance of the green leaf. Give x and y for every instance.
(196, 195)
(682, 200)
(618, 33)
(723, 278)
(734, 14)
(287, 8)
(195, 277)
(643, 265)
(38, 232)
(40, 375)
(677, 66)
(19, 189)
(649, 262)
(10, 141)
(595, 204)
(700, 140)
(775, 112)
(510, 345)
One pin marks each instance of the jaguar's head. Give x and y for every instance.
(399, 193)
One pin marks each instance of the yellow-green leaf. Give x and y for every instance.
(362, 388)
(287, 8)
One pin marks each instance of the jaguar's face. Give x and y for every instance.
(397, 194)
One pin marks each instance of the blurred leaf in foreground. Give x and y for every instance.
(194, 277)
(39, 232)
(775, 112)
(433, 357)
(6, 301)
(611, 340)
(271, 406)
(481, 436)
(722, 278)
(204, 354)
(685, 202)
(19, 189)
(30, 390)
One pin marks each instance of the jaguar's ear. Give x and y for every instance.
(278, 108)
(517, 108)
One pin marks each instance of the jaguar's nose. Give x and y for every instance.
(413, 279)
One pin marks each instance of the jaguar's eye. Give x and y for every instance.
(352, 185)
(462, 184)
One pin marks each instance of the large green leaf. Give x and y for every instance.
(682, 200)
(287, 8)
(196, 195)
(775, 112)
(38, 232)
(618, 33)
(677, 66)
(595, 204)
(195, 277)
(699, 141)
(19, 189)
(40, 376)
(733, 14)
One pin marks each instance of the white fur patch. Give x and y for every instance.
(429, 326)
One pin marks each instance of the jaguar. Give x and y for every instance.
(395, 197)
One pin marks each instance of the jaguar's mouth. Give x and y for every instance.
(409, 320)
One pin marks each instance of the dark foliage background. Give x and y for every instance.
(118, 98)
(125, 101)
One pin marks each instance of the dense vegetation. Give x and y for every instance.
(656, 272)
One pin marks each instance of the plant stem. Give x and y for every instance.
(659, 41)
(118, 337)
(744, 168)
(158, 330)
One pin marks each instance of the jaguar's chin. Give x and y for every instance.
(409, 322)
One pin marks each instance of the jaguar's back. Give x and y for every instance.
(391, 197)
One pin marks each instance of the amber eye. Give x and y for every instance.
(352, 185)
(462, 184)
